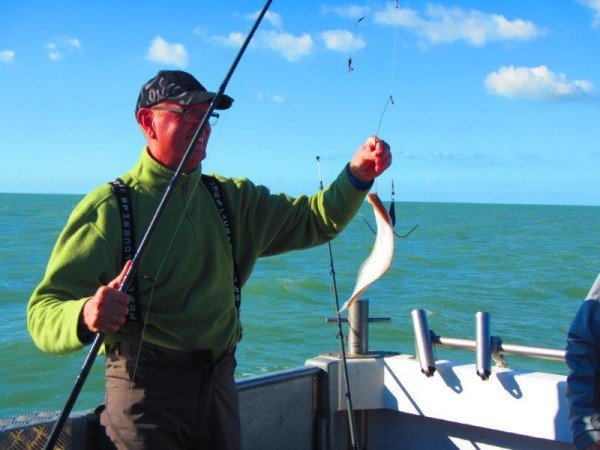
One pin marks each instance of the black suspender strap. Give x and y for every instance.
(121, 190)
(214, 187)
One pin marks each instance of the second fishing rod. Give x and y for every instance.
(347, 393)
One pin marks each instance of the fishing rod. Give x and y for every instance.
(99, 337)
(351, 421)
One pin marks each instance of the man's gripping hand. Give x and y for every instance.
(371, 159)
(106, 311)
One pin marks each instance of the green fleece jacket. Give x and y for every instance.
(190, 305)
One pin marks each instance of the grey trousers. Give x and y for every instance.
(169, 400)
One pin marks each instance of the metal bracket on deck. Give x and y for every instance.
(359, 320)
(423, 340)
(486, 346)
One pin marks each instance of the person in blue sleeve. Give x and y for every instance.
(583, 382)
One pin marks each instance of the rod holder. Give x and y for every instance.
(483, 348)
(423, 341)
(358, 333)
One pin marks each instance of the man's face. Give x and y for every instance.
(175, 127)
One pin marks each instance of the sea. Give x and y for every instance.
(528, 266)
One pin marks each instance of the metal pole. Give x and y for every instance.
(504, 349)
(483, 350)
(358, 345)
(423, 340)
(358, 335)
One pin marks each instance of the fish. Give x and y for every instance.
(380, 259)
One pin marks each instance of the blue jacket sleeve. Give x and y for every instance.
(583, 382)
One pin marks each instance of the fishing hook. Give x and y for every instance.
(393, 231)
(392, 212)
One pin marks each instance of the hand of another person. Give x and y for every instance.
(106, 311)
(371, 159)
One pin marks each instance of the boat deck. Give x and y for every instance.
(396, 406)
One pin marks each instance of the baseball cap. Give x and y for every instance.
(177, 86)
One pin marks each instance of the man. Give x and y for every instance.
(583, 382)
(169, 377)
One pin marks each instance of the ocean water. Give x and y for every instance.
(528, 266)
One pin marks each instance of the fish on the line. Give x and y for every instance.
(380, 259)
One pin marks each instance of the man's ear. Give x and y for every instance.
(145, 118)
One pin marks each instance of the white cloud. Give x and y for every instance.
(594, 5)
(277, 98)
(531, 157)
(447, 156)
(7, 56)
(289, 46)
(234, 39)
(199, 31)
(536, 83)
(342, 41)
(73, 42)
(441, 25)
(272, 17)
(53, 54)
(349, 11)
(163, 52)
(61, 47)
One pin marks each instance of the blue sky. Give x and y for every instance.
(493, 101)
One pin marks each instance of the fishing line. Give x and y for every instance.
(160, 267)
(145, 321)
(393, 60)
(351, 420)
(225, 114)
(187, 203)
(390, 98)
(392, 213)
(214, 140)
